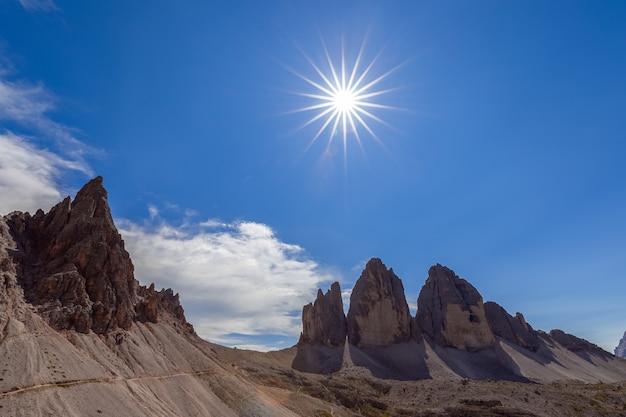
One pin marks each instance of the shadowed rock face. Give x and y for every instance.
(379, 314)
(451, 312)
(323, 322)
(512, 329)
(620, 350)
(73, 266)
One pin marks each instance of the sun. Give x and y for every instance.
(344, 97)
(344, 101)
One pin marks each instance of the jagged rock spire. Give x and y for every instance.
(324, 322)
(379, 314)
(75, 269)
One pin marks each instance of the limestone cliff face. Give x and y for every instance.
(451, 312)
(72, 265)
(379, 314)
(620, 350)
(512, 329)
(324, 322)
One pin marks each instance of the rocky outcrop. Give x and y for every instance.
(324, 322)
(379, 314)
(620, 350)
(576, 344)
(72, 265)
(451, 312)
(512, 329)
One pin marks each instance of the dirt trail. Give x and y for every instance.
(115, 379)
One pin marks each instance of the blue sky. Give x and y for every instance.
(502, 158)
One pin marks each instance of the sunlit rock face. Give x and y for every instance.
(72, 265)
(324, 322)
(620, 350)
(451, 312)
(512, 329)
(379, 314)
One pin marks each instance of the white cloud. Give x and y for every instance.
(29, 173)
(345, 299)
(39, 5)
(26, 105)
(238, 283)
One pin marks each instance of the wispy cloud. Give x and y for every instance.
(39, 5)
(31, 174)
(27, 175)
(26, 106)
(239, 283)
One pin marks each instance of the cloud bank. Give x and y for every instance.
(239, 284)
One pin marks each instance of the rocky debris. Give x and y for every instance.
(451, 312)
(379, 314)
(512, 329)
(576, 344)
(620, 350)
(324, 322)
(72, 265)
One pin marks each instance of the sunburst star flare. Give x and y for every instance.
(344, 97)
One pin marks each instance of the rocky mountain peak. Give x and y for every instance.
(324, 322)
(451, 311)
(379, 314)
(74, 268)
(92, 202)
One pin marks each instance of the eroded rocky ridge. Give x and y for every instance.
(576, 344)
(620, 350)
(451, 311)
(379, 314)
(73, 267)
(512, 329)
